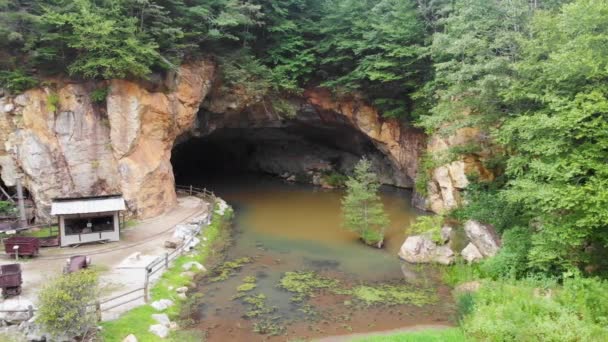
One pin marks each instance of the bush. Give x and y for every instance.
(64, 304)
(335, 179)
(512, 260)
(16, 81)
(99, 95)
(428, 225)
(539, 310)
(7, 208)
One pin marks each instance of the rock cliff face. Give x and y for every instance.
(448, 180)
(63, 144)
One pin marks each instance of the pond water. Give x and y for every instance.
(286, 227)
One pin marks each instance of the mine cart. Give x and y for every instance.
(10, 280)
(21, 245)
(76, 263)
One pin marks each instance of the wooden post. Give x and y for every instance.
(98, 311)
(30, 311)
(146, 285)
(166, 260)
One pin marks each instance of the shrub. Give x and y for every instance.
(428, 225)
(335, 179)
(16, 81)
(99, 95)
(531, 310)
(7, 208)
(64, 304)
(512, 260)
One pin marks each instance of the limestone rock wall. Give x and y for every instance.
(63, 144)
(448, 180)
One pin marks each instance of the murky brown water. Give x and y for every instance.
(292, 227)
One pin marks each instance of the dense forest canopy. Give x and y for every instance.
(533, 74)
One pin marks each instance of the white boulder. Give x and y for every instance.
(189, 265)
(421, 249)
(130, 338)
(185, 231)
(159, 330)
(483, 236)
(161, 319)
(19, 308)
(471, 254)
(162, 304)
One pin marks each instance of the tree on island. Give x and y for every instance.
(362, 210)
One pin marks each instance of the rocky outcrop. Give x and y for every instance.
(421, 249)
(471, 254)
(447, 180)
(403, 144)
(64, 144)
(483, 236)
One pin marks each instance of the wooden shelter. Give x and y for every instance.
(88, 219)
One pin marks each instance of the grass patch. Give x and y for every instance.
(43, 232)
(440, 335)
(138, 320)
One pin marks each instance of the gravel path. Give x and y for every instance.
(119, 273)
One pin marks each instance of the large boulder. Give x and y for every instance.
(471, 254)
(159, 330)
(421, 249)
(483, 236)
(15, 310)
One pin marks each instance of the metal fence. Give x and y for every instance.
(158, 264)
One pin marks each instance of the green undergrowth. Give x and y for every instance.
(431, 335)
(138, 320)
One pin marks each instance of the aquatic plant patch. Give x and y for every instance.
(249, 283)
(229, 269)
(385, 294)
(305, 284)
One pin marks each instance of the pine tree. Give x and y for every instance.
(362, 209)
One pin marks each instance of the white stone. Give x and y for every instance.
(130, 338)
(446, 233)
(484, 237)
(159, 330)
(203, 219)
(15, 304)
(185, 231)
(193, 242)
(444, 255)
(162, 304)
(182, 289)
(471, 254)
(161, 319)
(188, 266)
(21, 100)
(421, 249)
(222, 206)
(8, 107)
(182, 296)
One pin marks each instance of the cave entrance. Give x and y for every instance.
(299, 152)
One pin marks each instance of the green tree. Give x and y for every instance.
(557, 135)
(64, 304)
(362, 208)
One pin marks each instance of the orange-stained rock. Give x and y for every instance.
(65, 145)
(402, 143)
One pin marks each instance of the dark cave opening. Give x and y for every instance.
(298, 151)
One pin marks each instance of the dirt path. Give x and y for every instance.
(146, 238)
(351, 337)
